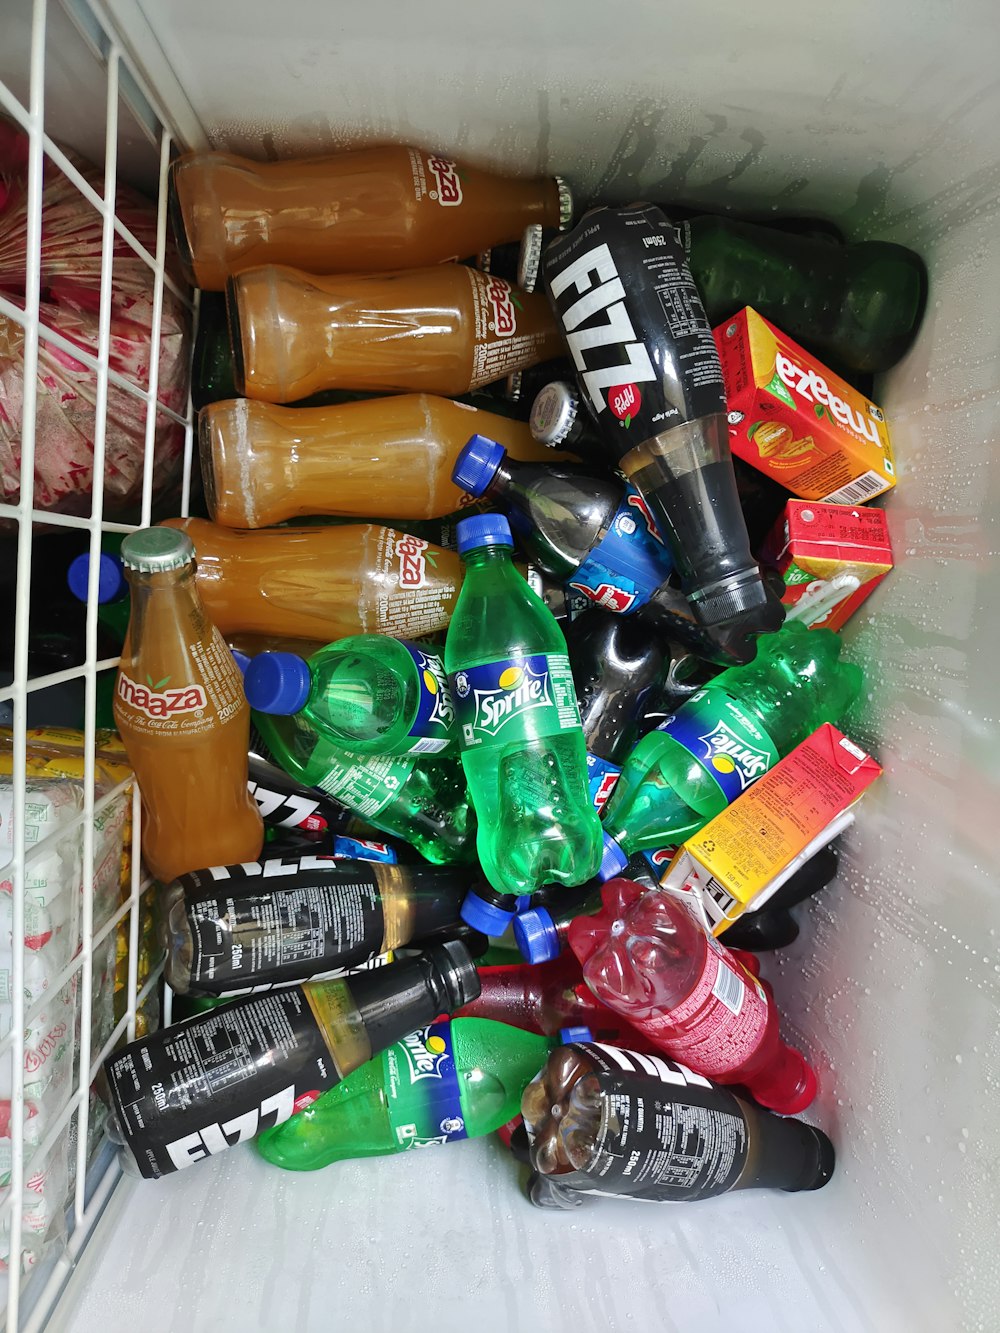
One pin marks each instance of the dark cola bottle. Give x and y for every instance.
(590, 532)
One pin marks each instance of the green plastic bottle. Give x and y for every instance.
(860, 305)
(457, 1079)
(519, 728)
(424, 801)
(370, 693)
(725, 737)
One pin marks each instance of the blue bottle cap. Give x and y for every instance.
(614, 860)
(242, 660)
(536, 936)
(477, 464)
(277, 683)
(567, 1035)
(486, 917)
(483, 530)
(111, 582)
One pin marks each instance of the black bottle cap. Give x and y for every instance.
(825, 1161)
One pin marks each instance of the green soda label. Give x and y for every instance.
(422, 1089)
(365, 783)
(515, 699)
(730, 744)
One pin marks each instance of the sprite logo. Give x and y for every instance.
(520, 690)
(425, 1053)
(728, 753)
(436, 684)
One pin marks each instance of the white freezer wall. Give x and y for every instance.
(884, 119)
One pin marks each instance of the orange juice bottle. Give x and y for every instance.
(181, 711)
(446, 329)
(354, 212)
(263, 464)
(322, 583)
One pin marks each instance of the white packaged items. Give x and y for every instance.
(43, 1203)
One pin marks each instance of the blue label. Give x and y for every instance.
(601, 778)
(434, 726)
(360, 849)
(660, 859)
(629, 563)
(422, 1089)
(515, 699)
(731, 746)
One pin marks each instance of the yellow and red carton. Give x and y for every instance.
(831, 558)
(798, 422)
(744, 855)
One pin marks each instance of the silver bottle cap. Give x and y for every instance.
(157, 550)
(554, 413)
(529, 257)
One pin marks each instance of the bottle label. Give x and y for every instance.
(422, 1089)
(664, 1134)
(635, 324)
(602, 777)
(191, 1091)
(434, 726)
(730, 744)
(720, 1025)
(436, 178)
(412, 587)
(499, 348)
(154, 705)
(311, 915)
(628, 564)
(365, 783)
(361, 849)
(515, 699)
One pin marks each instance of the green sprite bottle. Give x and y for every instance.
(457, 1079)
(424, 801)
(725, 737)
(523, 747)
(370, 693)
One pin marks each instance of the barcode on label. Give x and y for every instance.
(862, 489)
(721, 900)
(729, 989)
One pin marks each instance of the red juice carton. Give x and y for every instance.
(831, 558)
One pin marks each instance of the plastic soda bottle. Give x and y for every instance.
(227, 929)
(442, 330)
(861, 304)
(368, 693)
(519, 728)
(591, 532)
(424, 801)
(547, 998)
(646, 956)
(725, 737)
(321, 583)
(387, 207)
(180, 709)
(457, 1079)
(264, 464)
(254, 1062)
(602, 1120)
(650, 371)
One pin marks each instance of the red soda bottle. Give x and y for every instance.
(646, 956)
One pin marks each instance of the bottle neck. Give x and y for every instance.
(419, 901)
(173, 593)
(489, 557)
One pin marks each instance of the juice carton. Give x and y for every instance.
(830, 556)
(797, 421)
(744, 855)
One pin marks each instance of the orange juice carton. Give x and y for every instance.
(743, 856)
(797, 421)
(831, 557)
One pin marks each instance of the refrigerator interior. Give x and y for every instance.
(882, 119)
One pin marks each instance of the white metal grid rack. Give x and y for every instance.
(30, 1296)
